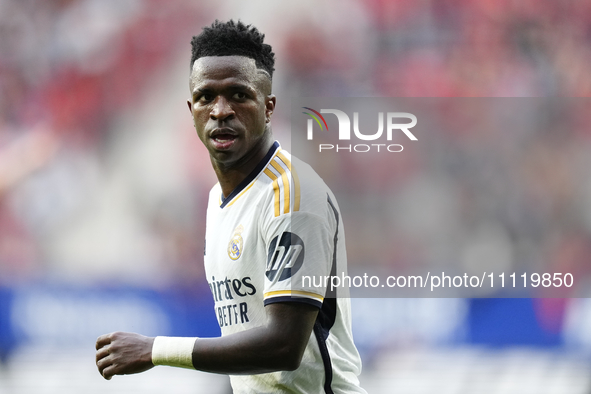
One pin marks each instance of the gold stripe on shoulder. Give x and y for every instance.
(275, 189)
(285, 180)
(296, 180)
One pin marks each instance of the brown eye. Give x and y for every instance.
(239, 96)
(205, 97)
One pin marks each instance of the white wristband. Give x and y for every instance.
(173, 351)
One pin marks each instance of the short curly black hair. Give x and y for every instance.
(233, 39)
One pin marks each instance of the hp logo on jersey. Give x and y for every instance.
(285, 258)
(236, 243)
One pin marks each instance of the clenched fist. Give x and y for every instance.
(123, 353)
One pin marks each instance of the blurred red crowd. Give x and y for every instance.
(69, 67)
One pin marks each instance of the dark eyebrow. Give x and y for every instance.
(201, 90)
(233, 87)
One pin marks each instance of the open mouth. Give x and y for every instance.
(224, 137)
(223, 140)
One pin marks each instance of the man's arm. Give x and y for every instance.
(277, 346)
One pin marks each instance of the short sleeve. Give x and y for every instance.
(300, 248)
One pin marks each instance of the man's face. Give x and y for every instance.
(231, 104)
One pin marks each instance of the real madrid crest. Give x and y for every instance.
(236, 243)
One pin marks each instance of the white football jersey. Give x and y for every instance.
(271, 240)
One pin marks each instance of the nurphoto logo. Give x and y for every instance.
(394, 123)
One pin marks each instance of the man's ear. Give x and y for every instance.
(190, 106)
(270, 102)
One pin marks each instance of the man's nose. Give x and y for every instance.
(221, 109)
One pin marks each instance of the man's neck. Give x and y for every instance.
(231, 176)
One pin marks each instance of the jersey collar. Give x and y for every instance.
(253, 174)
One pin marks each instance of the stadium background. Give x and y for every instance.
(103, 184)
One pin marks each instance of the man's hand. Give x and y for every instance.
(123, 353)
